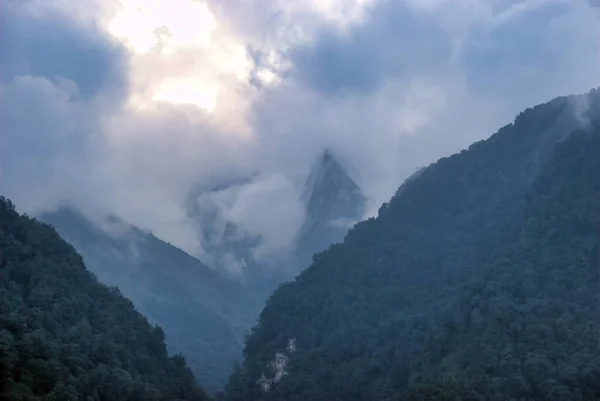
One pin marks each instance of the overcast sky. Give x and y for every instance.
(122, 106)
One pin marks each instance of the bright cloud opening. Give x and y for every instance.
(144, 24)
(176, 57)
(181, 91)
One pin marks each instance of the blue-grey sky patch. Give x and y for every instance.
(53, 45)
(530, 50)
(393, 42)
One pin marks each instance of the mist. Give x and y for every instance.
(145, 124)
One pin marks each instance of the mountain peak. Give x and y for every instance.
(327, 174)
(327, 157)
(333, 202)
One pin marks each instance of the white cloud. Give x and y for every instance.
(275, 222)
(193, 115)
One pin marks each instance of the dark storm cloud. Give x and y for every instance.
(52, 45)
(393, 42)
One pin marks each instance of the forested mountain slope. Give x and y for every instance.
(371, 312)
(64, 336)
(204, 315)
(529, 328)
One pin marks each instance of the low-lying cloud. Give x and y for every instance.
(121, 111)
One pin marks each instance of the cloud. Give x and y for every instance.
(393, 42)
(41, 126)
(124, 108)
(53, 45)
(276, 223)
(533, 45)
(59, 78)
(237, 213)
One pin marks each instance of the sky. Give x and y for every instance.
(133, 107)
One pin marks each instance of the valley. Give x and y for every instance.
(489, 253)
(307, 200)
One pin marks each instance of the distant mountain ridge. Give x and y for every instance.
(204, 315)
(64, 336)
(205, 312)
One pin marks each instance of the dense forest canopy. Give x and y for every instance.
(477, 281)
(64, 336)
(529, 328)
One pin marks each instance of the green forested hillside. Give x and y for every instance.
(471, 282)
(204, 315)
(529, 328)
(64, 336)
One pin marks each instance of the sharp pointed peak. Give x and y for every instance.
(327, 162)
(325, 171)
(328, 157)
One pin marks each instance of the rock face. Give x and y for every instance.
(333, 204)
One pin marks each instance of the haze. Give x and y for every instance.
(126, 106)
